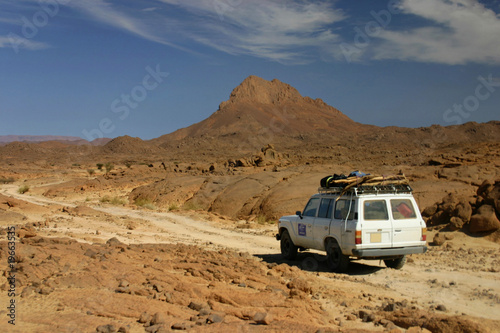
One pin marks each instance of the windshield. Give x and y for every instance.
(311, 207)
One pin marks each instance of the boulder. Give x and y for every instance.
(430, 210)
(438, 239)
(484, 220)
(456, 223)
(489, 191)
(463, 210)
(452, 210)
(438, 218)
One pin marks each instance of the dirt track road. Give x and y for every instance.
(462, 276)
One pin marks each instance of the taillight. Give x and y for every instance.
(424, 234)
(357, 239)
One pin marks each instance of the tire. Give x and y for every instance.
(396, 263)
(336, 260)
(288, 249)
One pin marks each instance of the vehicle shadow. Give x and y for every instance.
(314, 262)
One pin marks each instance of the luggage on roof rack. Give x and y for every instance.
(367, 184)
(368, 189)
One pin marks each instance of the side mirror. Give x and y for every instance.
(299, 213)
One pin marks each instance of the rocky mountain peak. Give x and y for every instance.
(257, 90)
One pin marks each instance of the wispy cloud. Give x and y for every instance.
(149, 9)
(287, 31)
(459, 32)
(17, 42)
(106, 13)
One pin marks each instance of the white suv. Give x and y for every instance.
(365, 222)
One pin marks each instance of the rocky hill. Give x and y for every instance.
(257, 104)
(260, 112)
(129, 145)
(303, 130)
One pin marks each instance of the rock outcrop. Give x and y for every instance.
(477, 214)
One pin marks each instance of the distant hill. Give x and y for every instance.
(73, 140)
(129, 145)
(36, 138)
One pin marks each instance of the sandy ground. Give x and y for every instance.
(460, 278)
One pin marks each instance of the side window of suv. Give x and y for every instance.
(342, 209)
(325, 208)
(375, 210)
(311, 207)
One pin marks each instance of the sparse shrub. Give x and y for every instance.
(118, 201)
(192, 205)
(262, 219)
(105, 199)
(144, 202)
(99, 166)
(109, 166)
(91, 171)
(4, 180)
(76, 164)
(128, 164)
(173, 207)
(113, 200)
(23, 189)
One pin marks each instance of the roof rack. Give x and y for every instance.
(368, 189)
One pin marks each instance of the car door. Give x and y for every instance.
(377, 227)
(321, 227)
(345, 212)
(406, 222)
(304, 227)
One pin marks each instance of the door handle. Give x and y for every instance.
(399, 230)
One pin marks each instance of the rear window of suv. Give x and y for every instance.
(375, 210)
(402, 209)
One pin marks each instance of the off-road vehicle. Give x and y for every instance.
(368, 219)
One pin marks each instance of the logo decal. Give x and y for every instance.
(302, 229)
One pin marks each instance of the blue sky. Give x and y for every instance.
(146, 68)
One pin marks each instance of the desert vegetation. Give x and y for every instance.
(23, 189)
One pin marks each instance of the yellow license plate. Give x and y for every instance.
(376, 237)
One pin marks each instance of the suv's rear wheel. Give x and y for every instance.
(337, 261)
(288, 249)
(396, 263)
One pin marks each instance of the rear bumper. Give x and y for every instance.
(391, 252)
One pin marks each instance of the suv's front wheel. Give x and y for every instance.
(288, 249)
(337, 261)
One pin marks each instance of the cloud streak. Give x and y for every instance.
(104, 13)
(17, 42)
(453, 32)
(459, 32)
(286, 31)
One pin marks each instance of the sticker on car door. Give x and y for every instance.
(302, 229)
